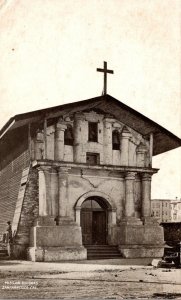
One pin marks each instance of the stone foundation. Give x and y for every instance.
(141, 251)
(141, 240)
(56, 243)
(113, 233)
(19, 251)
(56, 253)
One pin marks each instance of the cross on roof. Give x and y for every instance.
(105, 71)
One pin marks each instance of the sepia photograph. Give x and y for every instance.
(90, 157)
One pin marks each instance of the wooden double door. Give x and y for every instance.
(94, 227)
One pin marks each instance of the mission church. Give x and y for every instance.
(75, 180)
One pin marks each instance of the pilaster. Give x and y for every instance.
(63, 194)
(140, 155)
(77, 214)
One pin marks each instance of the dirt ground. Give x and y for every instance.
(111, 279)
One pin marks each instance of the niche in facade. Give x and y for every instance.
(115, 140)
(92, 158)
(68, 136)
(93, 132)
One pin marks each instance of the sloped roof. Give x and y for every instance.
(163, 139)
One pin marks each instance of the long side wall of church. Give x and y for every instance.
(10, 178)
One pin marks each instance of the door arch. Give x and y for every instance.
(94, 221)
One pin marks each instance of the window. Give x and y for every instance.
(68, 136)
(92, 158)
(91, 204)
(115, 140)
(93, 132)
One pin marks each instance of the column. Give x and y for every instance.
(42, 193)
(151, 148)
(46, 170)
(129, 194)
(107, 149)
(59, 141)
(53, 193)
(125, 136)
(63, 192)
(140, 155)
(80, 124)
(146, 195)
(45, 138)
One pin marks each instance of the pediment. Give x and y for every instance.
(107, 105)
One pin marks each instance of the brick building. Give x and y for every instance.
(166, 210)
(79, 174)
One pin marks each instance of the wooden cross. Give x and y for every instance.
(105, 71)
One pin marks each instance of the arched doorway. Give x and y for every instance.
(93, 220)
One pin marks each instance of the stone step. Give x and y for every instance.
(111, 255)
(102, 249)
(3, 251)
(3, 246)
(4, 254)
(103, 257)
(101, 246)
(6, 257)
(102, 252)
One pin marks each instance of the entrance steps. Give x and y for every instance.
(3, 251)
(4, 254)
(102, 252)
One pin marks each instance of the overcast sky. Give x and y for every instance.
(50, 50)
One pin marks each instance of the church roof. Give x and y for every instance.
(163, 139)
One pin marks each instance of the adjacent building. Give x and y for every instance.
(166, 210)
